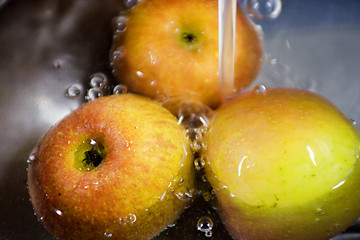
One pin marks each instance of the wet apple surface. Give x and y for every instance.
(119, 166)
(282, 163)
(170, 48)
(49, 46)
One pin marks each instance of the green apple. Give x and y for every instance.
(170, 48)
(284, 164)
(118, 167)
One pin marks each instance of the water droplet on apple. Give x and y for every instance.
(199, 163)
(205, 225)
(353, 122)
(117, 55)
(261, 9)
(130, 3)
(73, 91)
(58, 212)
(260, 88)
(120, 89)
(107, 235)
(319, 211)
(31, 159)
(184, 194)
(171, 225)
(140, 74)
(204, 178)
(120, 23)
(93, 93)
(98, 80)
(196, 138)
(129, 219)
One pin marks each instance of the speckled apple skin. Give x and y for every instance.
(151, 59)
(284, 164)
(130, 195)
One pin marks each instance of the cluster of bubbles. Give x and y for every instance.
(99, 86)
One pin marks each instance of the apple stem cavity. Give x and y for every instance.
(93, 158)
(189, 38)
(89, 155)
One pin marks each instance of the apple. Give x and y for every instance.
(166, 48)
(284, 164)
(119, 166)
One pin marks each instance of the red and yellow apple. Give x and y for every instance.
(284, 164)
(170, 48)
(118, 167)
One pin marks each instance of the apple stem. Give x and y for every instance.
(227, 26)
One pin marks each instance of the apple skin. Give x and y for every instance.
(156, 55)
(134, 192)
(284, 164)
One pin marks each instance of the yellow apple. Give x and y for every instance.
(284, 164)
(170, 48)
(118, 167)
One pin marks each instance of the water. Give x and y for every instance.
(227, 26)
(260, 88)
(120, 89)
(98, 80)
(59, 68)
(73, 91)
(93, 93)
(119, 24)
(264, 8)
(205, 225)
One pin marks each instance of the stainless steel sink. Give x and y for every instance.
(46, 46)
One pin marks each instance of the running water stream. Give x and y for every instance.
(227, 26)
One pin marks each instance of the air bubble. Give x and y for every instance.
(31, 159)
(205, 225)
(353, 122)
(57, 64)
(118, 54)
(98, 80)
(261, 9)
(259, 88)
(120, 89)
(73, 91)
(130, 3)
(120, 23)
(93, 93)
